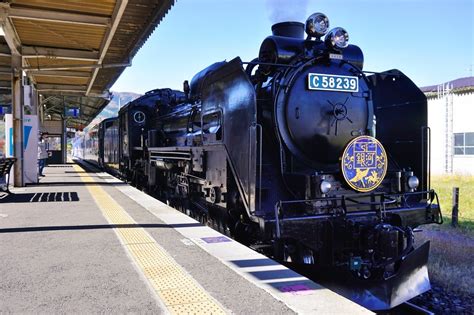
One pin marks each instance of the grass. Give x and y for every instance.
(451, 258)
(443, 185)
(452, 249)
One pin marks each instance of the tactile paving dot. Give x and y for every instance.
(134, 236)
(162, 271)
(196, 308)
(167, 283)
(183, 295)
(118, 219)
(150, 261)
(149, 254)
(152, 248)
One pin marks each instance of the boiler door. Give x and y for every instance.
(317, 116)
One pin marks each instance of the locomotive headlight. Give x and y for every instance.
(325, 186)
(317, 25)
(337, 38)
(413, 182)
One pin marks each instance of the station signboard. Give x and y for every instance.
(72, 112)
(30, 146)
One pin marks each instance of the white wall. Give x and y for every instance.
(463, 112)
(463, 121)
(437, 124)
(463, 116)
(463, 165)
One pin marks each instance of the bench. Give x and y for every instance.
(5, 167)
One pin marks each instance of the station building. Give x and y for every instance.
(450, 113)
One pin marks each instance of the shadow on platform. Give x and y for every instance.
(286, 279)
(81, 183)
(59, 165)
(41, 197)
(93, 227)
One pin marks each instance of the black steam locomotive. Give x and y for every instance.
(300, 154)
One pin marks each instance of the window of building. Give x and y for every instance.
(464, 143)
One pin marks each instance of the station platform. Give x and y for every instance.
(83, 241)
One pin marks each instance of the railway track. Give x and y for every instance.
(409, 308)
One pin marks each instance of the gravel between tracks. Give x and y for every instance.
(451, 271)
(442, 301)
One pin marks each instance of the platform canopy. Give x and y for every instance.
(74, 51)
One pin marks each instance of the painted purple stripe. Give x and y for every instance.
(215, 239)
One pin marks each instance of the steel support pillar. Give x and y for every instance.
(64, 128)
(17, 111)
(34, 101)
(64, 144)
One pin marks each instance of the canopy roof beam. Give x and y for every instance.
(5, 70)
(60, 53)
(75, 102)
(5, 50)
(62, 91)
(5, 85)
(60, 87)
(57, 16)
(11, 36)
(120, 7)
(85, 66)
(60, 74)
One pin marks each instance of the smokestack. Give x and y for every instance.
(289, 29)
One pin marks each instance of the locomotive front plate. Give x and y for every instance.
(364, 163)
(330, 82)
(139, 117)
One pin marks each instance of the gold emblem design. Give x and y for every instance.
(364, 163)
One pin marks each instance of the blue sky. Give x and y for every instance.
(429, 40)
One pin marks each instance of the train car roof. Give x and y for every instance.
(108, 119)
(148, 99)
(96, 126)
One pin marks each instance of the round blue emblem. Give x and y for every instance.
(364, 163)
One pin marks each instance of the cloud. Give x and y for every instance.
(286, 10)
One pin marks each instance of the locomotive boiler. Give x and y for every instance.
(302, 155)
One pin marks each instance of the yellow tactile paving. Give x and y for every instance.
(195, 308)
(179, 292)
(134, 236)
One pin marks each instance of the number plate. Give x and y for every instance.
(329, 82)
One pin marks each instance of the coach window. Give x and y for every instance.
(124, 127)
(464, 143)
(211, 123)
